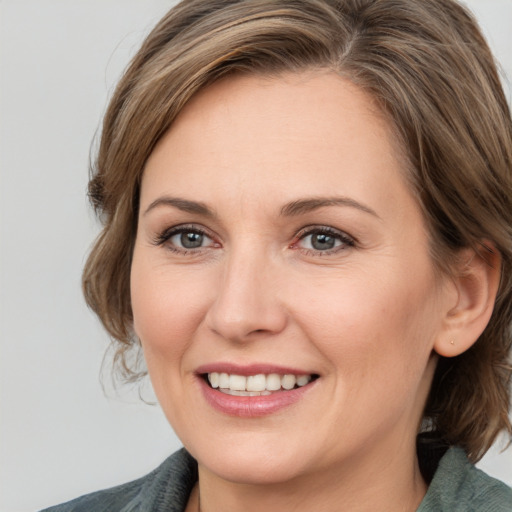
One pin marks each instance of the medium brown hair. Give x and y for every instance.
(427, 65)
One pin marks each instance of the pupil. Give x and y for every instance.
(191, 240)
(322, 241)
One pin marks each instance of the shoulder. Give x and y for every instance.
(167, 488)
(459, 486)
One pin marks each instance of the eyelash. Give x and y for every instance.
(345, 240)
(165, 236)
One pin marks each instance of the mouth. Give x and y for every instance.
(254, 390)
(260, 384)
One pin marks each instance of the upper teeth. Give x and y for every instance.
(260, 382)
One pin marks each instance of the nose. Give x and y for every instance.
(247, 304)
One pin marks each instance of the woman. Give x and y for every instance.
(307, 229)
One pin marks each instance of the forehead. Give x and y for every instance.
(282, 104)
(311, 133)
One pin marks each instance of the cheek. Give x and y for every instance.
(381, 328)
(166, 309)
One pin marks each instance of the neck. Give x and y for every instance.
(388, 481)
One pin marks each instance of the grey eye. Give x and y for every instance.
(321, 241)
(190, 240)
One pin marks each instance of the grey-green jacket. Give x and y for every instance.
(457, 486)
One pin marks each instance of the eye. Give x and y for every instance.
(323, 239)
(189, 240)
(184, 238)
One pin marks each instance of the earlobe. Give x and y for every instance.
(476, 280)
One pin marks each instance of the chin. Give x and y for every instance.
(253, 464)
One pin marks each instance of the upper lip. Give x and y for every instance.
(251, 369)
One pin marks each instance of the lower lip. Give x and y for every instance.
(252, 406)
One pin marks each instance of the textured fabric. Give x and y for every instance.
(165, 489)
(457, 486)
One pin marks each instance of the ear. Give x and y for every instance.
(476, 280)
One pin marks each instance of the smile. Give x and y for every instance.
(256, 385)
(254, 390)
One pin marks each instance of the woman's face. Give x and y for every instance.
(277, 236)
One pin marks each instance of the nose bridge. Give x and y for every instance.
(247, 300)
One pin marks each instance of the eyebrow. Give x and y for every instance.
(301, 206)
(181, 204)
(292, 209)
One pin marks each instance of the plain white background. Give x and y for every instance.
(60, 436)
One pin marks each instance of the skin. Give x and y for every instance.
(365, 316)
